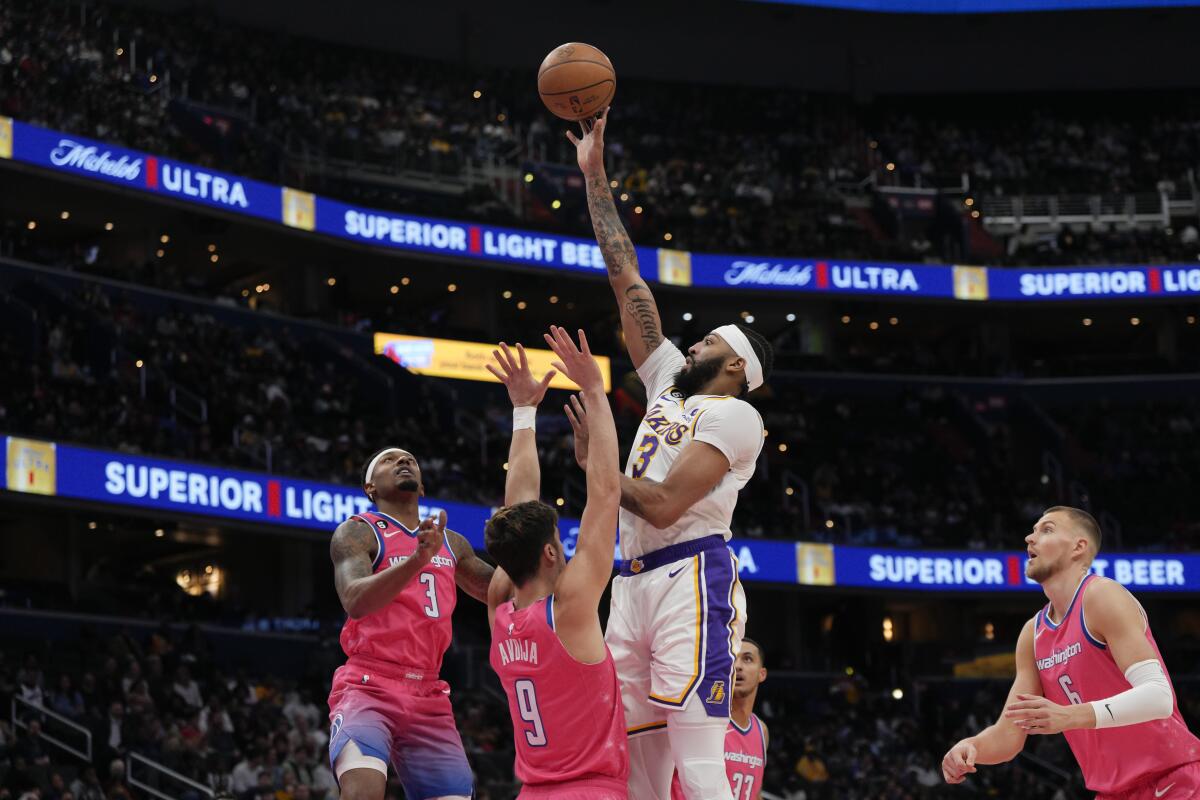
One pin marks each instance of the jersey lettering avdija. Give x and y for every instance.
(672, 422)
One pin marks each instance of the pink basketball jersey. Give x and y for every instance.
(1075, 668)
(413, 630)
(568, 721)
(745, 761)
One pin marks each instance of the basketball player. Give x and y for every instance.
(1088, 667)
(547, 644)
(395, 575)
(746, 740)
(678, 610)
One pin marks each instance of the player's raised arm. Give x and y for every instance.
(353, 550)
(1003, 740)
(578, 593)
(639, 313)
(524, 478)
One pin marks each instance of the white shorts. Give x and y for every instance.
(675, 627)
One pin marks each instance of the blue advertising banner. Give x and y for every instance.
(977, 571)
(120, 166)
(47, 468)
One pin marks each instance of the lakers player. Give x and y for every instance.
(677, 611)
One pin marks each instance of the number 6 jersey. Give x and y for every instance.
(568, 722)
(672, 422)
(413, 630)
(1076, 668)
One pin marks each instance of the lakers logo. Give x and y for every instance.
(716, 694)
(636, 566)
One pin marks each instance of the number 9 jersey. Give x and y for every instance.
(414, 629)
(568, 721)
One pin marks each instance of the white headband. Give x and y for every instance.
(375, 461)
(737, 340)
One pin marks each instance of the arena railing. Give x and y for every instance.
(56, 729)
(163, 782)
(1141, 209)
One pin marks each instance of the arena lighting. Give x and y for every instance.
(31, 225)
(553, 299)
(395, 289)
(529, 177)
(557, 204)
(214, 258)
(975, 214)
(1135, 321)
(477, 94)
(452, 288)
(891, 167)
(745, 314)
(782, 447)
(1045, 479)
(1191, 320)
(506, 294)
(667, 237)
(888, 630)
(897, 694)
(405, 281)
(120, 51)
(850, 671)
(828, 523)
(138, 363)
(874, 325)
(624, 197)
(92, 526)
(893, 321)
(749, 319)
(165, 239)
(845, 319)
(613, 184)
(521, 305)
(501, 117)
(989, 631)
(245, 292)
(506, 466)
(212, 248)
(153, 78)
(791, 317)
(559, 501)
(970, 201)
(159, 533)
(789, 491)
(331, 281)
(160, 252)
(65, 215)
(266, 287)
(1087, 322)
(108, 226)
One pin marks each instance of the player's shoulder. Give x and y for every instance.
(1103, 595)
(728, 407)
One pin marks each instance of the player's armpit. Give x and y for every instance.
(697, 471)
(472, 574)
(1115, 618)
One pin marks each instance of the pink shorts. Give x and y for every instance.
(588, 789)
(399, 717)
(1181, 783)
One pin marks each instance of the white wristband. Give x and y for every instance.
(525, 417)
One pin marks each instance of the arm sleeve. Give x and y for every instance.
(1150, 698)
(658, 370)
(733, 427)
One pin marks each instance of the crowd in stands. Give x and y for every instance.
(251, 734)
(718, 169)
(883, 465)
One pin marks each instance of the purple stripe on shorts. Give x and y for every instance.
(716, 682)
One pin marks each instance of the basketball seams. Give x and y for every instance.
(578, 90)
(606, 64)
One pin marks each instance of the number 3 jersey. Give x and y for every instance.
(1074, 667)
(672, 422)
(568, 721)
(413, 630)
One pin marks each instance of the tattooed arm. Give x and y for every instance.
(639, 313)
(472, 574)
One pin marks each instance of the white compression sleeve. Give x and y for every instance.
(1150, 698)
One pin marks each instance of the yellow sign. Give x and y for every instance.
(814, 564)
(674, 267)
(970, 283)
(299, 209)
(32, 466)
(448, 358)
(6, 137)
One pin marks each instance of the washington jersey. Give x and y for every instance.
(1076, 668)
(413, 630)
(745, 761)
(568, 723)
(672, 422)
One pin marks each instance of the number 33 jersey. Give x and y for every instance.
(672, 422)
(568, 721)
(413, 630)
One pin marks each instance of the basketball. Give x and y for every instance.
(576, 81)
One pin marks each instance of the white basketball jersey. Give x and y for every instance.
(671, 423)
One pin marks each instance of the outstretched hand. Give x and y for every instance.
(430, 536)
(575, 362)
(577, 415)
(514, 373)
(589, 150)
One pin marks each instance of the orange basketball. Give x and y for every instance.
(576, 81)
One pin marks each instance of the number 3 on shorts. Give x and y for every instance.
(527, 704)
(647, 448)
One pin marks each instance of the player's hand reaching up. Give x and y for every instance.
(575, 362)
(589, 150)
(430, 536)
(577, 414)
(959, 762)
(514, 373)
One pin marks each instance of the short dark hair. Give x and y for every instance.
(762, 658)
(516, 534)
(1086, 522)
(762, 348)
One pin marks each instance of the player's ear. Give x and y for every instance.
(762, 674)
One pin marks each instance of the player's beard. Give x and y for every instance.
(408, 485)
(691, 381)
